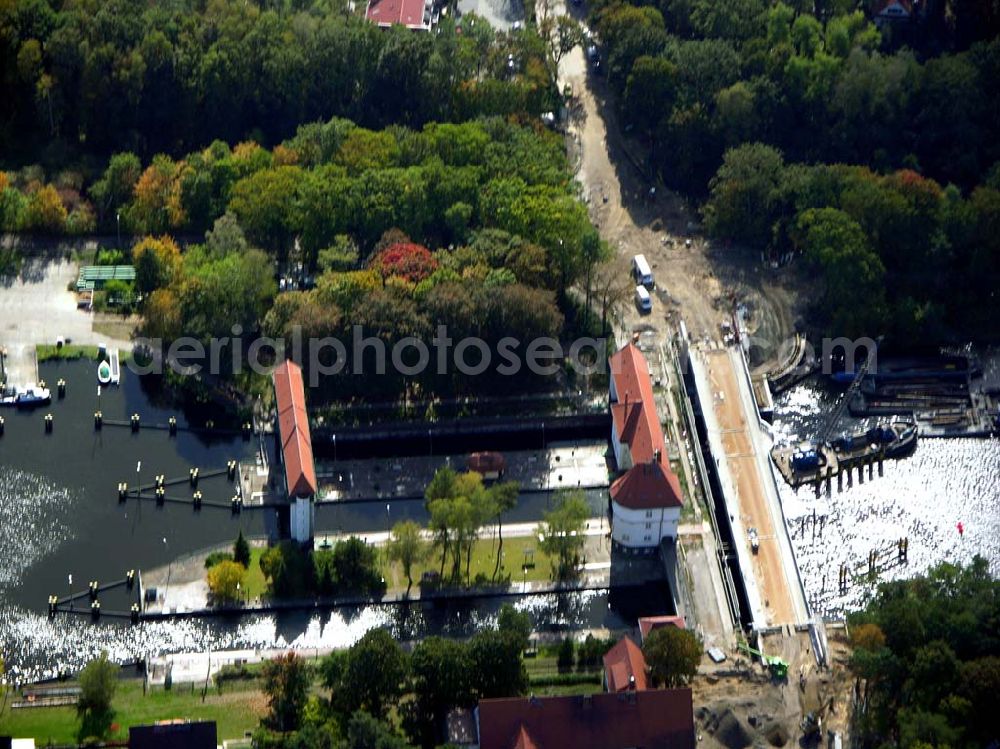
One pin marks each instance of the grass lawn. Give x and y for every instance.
(483, 562)
(253, 582)
(542, 667)
(238, 709)
(116, 326)
(49, 351)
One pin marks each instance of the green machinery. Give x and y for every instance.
(777, 666)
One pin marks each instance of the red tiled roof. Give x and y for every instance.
(486, 462)
(524, 740)
(652, 719)
(647, 486)
(293, 430)
(388, 12)
(634, 414)
(624, 662)
(648, 623)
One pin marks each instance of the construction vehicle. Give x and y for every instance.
(776, 665)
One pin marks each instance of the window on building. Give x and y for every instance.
(648, 538)
(649, 513)
(648, 526)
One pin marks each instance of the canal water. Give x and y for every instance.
(59, 516)
(923, 498)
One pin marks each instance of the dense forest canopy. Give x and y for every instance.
(927, 660)
(475, 226)
(870, 150)
(98, 76)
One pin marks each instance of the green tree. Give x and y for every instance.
(113, 191)
(224, 581)
(98, 683)
(562, 532)
(371, 675)
(650, 92)
(504, 497)
(266, 204)
(854, 300)
(566, 654)
(220, 292)
(286, 682)
(745, 197)
(366, 732)
(407, 546)
(355, 568)
(288, 570)
(497, 666)
(157, 262)
(241, 551)
(515, 625)
(441, 680)
(673, 655)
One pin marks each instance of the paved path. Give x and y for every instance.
(38, 307)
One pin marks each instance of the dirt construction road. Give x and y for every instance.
(631, 221)
(754, 507)
(695, 280)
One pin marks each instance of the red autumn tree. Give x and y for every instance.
(408, 260)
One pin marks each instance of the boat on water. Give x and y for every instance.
(812, 461)
(894, 438)
(109, 370)
(25, 397)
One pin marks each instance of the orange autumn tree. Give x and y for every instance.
(45, 211)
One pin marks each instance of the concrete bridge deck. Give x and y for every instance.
(740, 448)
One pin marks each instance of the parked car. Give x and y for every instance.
(642, 299)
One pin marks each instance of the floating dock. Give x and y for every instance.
(844, 454)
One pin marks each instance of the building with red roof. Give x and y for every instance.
(625, 667)
(295, 448)
(646, 499)
(652, 719)
(648, 623)
(413, 14)
(636, 434)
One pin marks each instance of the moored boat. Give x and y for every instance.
(31, 395)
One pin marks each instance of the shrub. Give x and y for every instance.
(564, 658)
(217, 556)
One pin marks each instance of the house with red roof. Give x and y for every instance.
(648, 623)
(417, 15)
(295, 449)
(646, 499)
(652, 719)
(625, 667)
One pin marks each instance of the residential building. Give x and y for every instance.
(625, 667)
(295, 450)
(652, 719)
(417, 15)
(648, 623)
(646, 499)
